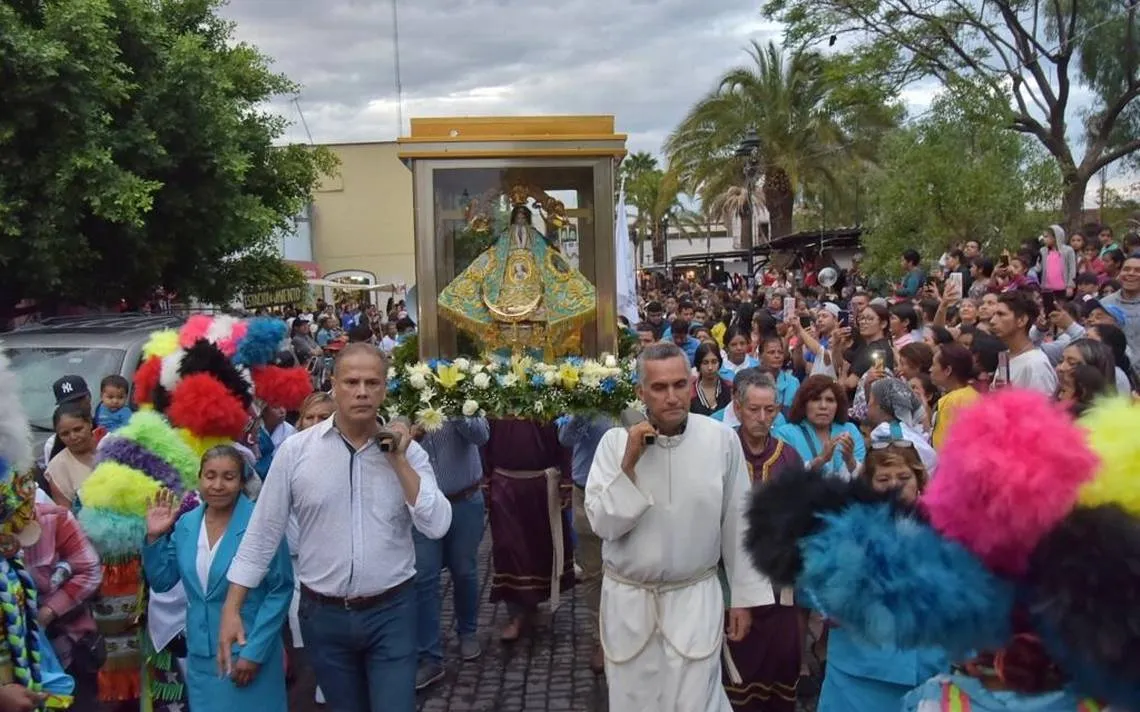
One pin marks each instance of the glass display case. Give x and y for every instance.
(515, 235)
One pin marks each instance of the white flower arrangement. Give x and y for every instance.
(430, 393)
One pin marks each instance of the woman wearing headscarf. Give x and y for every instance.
(896, 414)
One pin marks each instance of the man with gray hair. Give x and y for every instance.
(668, 498)
(746, 378)
(768, 659)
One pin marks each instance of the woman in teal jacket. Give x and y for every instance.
(198, 551)
(818, 430)
(861, 677)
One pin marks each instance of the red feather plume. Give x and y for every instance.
(205, 407)
(282, 387)
(146, 380)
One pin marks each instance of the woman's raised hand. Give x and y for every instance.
(161, 511)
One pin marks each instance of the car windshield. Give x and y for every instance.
(36, 369)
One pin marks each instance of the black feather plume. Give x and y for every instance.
(1084, 584)
(785, 509)
(160, 398)
(204, 357)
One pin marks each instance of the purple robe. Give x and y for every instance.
(522, 548)
(768, 658)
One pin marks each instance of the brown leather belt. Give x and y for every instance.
(464, 493)
(356, 604)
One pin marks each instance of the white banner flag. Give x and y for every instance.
(623, 250)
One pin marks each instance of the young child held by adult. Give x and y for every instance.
(113, 412)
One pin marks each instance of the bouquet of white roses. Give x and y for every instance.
(428, 393)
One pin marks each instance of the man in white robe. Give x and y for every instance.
(668, 514)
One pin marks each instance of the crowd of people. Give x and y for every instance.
(855, 381)
(343, 551)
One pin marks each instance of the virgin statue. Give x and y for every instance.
(521, 293)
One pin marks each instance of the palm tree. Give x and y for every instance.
(636, 164)
(655, 193)
(799, 111)
(631, 175)
(731, 204)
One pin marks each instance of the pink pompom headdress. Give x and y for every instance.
(1031, 524)
(217, 372)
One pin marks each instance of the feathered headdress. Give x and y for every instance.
(196, 388)
(1030, 526)
(18, 529)
(206, 377)
(131, 466)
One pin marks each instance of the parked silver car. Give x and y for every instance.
(92, 346)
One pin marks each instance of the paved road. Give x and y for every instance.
(546, 671)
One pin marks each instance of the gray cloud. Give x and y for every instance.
(645, 61)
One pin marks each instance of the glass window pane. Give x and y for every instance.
(472, 210)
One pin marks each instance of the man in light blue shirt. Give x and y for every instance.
(356, 507)
(582, 434)
(680, 336)
(454, 454)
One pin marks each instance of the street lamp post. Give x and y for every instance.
(749, 150)
(665, 243)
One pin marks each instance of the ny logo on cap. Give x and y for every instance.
(66, 387)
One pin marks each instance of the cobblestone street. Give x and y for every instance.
(547, 670)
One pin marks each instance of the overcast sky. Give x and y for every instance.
(644, 61)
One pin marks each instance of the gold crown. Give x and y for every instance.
(520, 195)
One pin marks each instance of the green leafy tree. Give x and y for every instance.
(660, 193)
(636, 164)
(640, 193)
(1120, 208)
(956, 174)
(811, 118)
(655, 194)
(1040, 56)
(134, 154)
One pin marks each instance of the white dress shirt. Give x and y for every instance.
(281, 432)
(166, 615)
(354, 526)
(205, 555)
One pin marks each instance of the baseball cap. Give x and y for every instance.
(1091, 304)
(830, 308)
(70, 389)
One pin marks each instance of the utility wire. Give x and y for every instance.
(304, 124)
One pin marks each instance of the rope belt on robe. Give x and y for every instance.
(553, 477)
(655, 590)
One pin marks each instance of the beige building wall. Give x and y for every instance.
(362, 224)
